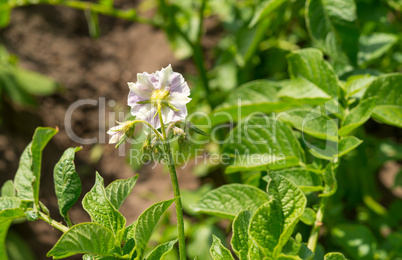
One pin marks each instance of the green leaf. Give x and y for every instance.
(229, 200)
(373, 46)
(128, 247)
(190, 197)
(44, 208)
(308, 216)
(298, 249)
(8, 190)
(241, 241)
(218, 251)
(128, 232)
(264, 9)
(259, 95)
(252, 178)
(266, 226)
(9, 203)
(84, 238)
(101, 209)
(18, 248)
(118, 190)
(199, 245)
(358, 116)
(14, 90)
(34, 83)
(389, 98)
(273, 223)
(4, 15)
(357, 240)
(254, 251)
(334, 256)
(309, 64)
(93, 23)
(94, 257)
(67, 183)
(357, 85)
(4, 225)
(311, 122)
(331, 25)
(11, 213)
(347, 144)
(9, 210)
(27, 178)
(292, 201)
(288, 257)
(260, 141)
(305, 180)
(300, 90)
(146, 223)
(160, 251)
(24, 177)
(331, 185)
(332, 150)
(396, 4)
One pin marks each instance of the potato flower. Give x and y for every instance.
(165, 89)
(120, 131)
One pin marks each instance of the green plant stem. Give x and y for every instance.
(199, 56)
(315, 232)
(202, 71)
(176, 189)
(150, 126)
(196, 46)
(68, 221)
(53, 222)
(130, 14)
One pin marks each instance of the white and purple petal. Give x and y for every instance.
(163, 80)
(116, 133)
(178, 84)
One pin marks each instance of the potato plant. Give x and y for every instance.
(286, 107)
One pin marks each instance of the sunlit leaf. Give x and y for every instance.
(358, 116)
(67, 183)
(332, 27)
(261, 141)
(8, 190)
(334, 256)
(374, 46)
(309, 64)
(84, 238)
(101, 210)
(146, 223)
(218, 251)
(228, 200)
(160, 251)
(27, 178)
(259, 95)
(305, 180)
(273, 223)
(311, 122)
(118, 190)
(388, 90)
(241, 240)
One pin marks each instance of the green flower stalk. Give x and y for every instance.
(156, 100)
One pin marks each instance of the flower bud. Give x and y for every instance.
(119, 133)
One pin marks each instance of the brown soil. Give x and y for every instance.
(54, 41)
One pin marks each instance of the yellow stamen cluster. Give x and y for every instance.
(159, 96)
